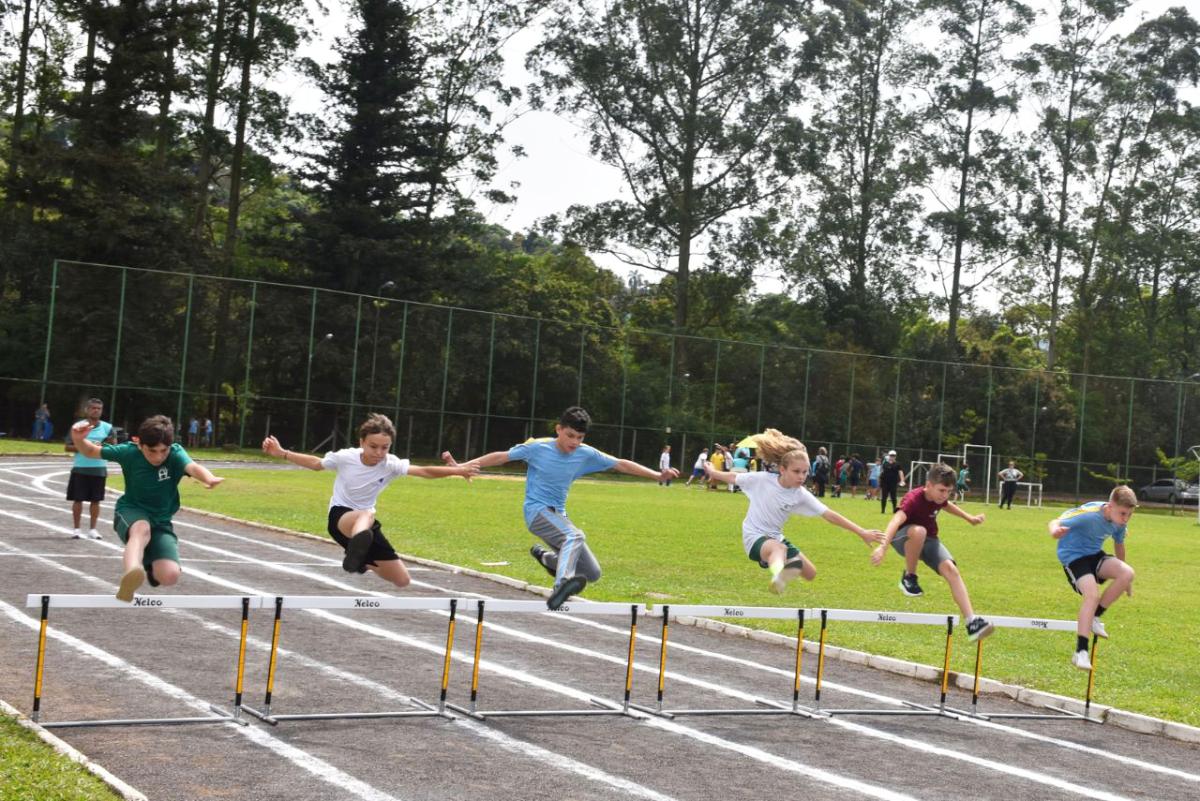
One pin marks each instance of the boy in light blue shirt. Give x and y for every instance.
(553, 464)
(89, 476)
(1081, 533)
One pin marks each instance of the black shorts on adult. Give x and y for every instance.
(1085, 566)
(381, 549)
(85, 487)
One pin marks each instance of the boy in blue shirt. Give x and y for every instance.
(553, 464)
(1081, 533)
(88, 476)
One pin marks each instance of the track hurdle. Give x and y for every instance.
(741, 613)
(142, 602)
(902, 618)
(371, 602)
(1058, 713)
(606, 707)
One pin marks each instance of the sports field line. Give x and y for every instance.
(523, 677)
(542, 756)
(700, 683)
(298, 757)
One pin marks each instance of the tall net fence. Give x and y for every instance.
(307, 364)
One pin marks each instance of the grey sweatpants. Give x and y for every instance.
(571, 553)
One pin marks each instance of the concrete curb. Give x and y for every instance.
(118, 786)
(1118, 717)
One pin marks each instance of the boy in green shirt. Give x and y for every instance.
(153, 467)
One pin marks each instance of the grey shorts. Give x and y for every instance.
(933, 553)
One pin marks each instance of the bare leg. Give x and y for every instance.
(94, 514)
(392, 570)
(77, 513)
(913, 544)
(958, 589)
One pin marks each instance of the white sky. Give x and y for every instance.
(557, 170)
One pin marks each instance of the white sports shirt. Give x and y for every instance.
(357, 485)
(771, 505)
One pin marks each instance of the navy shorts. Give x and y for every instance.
(1085, 566)
(85, 487)
(381, 550)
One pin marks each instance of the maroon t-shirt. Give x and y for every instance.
(920, 511)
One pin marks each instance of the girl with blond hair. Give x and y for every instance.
(775, 495)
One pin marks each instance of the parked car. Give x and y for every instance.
(1170, 490)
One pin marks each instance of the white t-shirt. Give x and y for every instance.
(771, 505)
(664, 461)
(1010, 474)
(700, 460)
(357, 485)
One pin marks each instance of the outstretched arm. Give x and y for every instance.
(202, 474)
(467, 470)
(719, 475)
(493, 459)
(634, 469)
(1057, 530)
(974, 520)
(79, 439)
(868, 536)
(893, 526)
(271, 447)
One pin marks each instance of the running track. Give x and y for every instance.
(104, 664)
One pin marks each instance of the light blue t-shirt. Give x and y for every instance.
(98, 467)
(550, 472)
(1087, 531)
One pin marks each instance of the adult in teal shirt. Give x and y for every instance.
(86, 483)
(553, 463)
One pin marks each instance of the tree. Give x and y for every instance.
(692, 102)
(970, 102)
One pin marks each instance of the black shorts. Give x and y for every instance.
(381, 550)
(1085, 566)
(85, 487)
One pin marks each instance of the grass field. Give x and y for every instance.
(30, 769)
(684, 546)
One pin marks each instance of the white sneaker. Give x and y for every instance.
(76, 534)
(1081, 661)
(1098, 628)
(93, 534)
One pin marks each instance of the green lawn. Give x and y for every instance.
(685, 544)
(30, 769)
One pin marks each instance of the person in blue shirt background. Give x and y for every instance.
(553, 464)
(1081, 533)
(88, 476)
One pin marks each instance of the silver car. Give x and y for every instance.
(1170, 490)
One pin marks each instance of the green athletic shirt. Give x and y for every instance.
(153, 490)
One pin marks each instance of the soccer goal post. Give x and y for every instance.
(978, 459)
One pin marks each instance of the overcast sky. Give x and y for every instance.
(557, 170)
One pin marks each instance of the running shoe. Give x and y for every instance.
(93, 534)
(76, 534)
(356, 551)
(539, 553)
(130, 582)
(1098, 628)
(570, 586)
(1081, 661)
(786, 576)
(909, 585)
(978, 628)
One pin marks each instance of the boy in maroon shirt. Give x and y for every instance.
(913, 532)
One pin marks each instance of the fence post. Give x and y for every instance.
(249, 350)
(445, 381)
(312, 324)
(487, 403)
(762, 366)
(1129, 428)
(112, 400)
(353, 376)
(850, 404)
(1082, 425)
(187, 332)
(804, 410)
(896, 406)
(49, 331)
(712, 423)
(400, 373)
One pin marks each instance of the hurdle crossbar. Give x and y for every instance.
(142, 602)
(901, 618)
(766, 707)
(380, 603)
(605, 707)
(1057, 713)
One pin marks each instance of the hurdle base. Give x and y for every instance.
(607, 708)
(79, 724)
(275, 720)
(768, 708)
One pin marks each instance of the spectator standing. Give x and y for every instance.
(193, 432)
(88, 475)
(42, 427)
(1008, 483)
(664, 466)
(890, 477)
(820, 469)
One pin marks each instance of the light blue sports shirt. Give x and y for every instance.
(1087, 531)
(98, 467)
(550, 472)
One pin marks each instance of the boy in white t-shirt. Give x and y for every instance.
(362, 473)
(776, 496)
(664, 464)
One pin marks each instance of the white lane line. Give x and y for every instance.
(699, 683)
(301, 759)
(540, 756)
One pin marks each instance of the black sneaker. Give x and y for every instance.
(909, 585)
(539, 553)
(570, 586)
(357, 549)
(978, 628)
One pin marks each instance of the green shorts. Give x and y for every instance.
(755, 553)
(163, 542)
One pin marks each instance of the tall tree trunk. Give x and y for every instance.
(164, 94)
(208, 133)
(18, 118)
(1060, 226)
